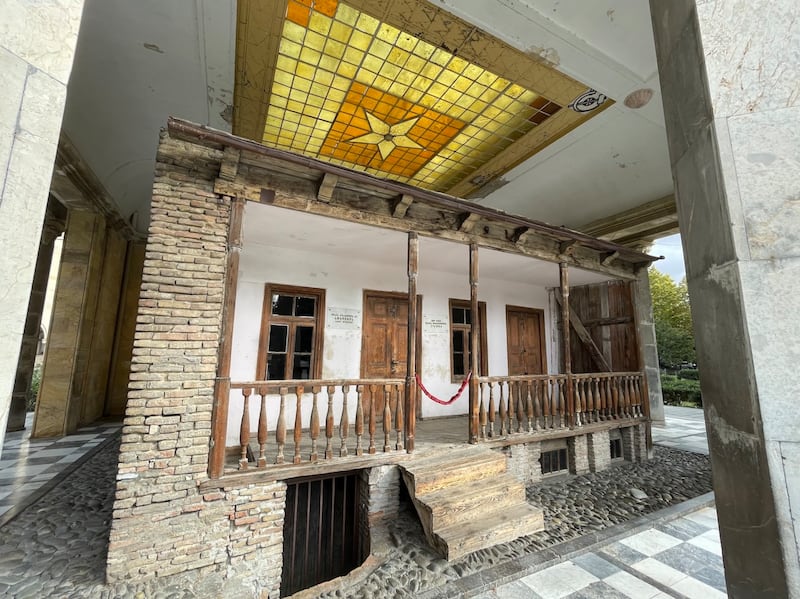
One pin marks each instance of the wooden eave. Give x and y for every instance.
(280, 178)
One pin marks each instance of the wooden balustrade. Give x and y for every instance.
(373, 402)
(527, 404)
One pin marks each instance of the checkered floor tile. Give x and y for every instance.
(29, 466)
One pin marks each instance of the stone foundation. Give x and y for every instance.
(599, 450)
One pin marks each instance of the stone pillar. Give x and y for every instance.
(648, 349)
(58, 408)
(732, 108)
(599, 446)
(578, 451)
(37, 45)
(53, 227)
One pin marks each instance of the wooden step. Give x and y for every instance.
(471, 500)
(494, 528)
(428, 476)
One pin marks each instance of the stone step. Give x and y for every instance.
(431, 474)
(494, 528)
(471, 500)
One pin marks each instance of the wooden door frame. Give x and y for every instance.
(393, 295)
(538, 312)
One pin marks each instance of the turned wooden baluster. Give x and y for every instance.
(503, 411)
(609, 400)
(537, 404)
(640, 395)
(561, 404)
(262, 429)
(280, 429)
(298, 423)
(314, 426)
(398, 418)
(373, 389)
(244, 429)
(544, 395)
(387, 416)
(344, 421)
(512, 401)
(482, 411)
(632, 395)
(522, 389)
(492, 409)
(591, 400)
(329, 424)
(359, 419)
(529, 406)
(579, 399)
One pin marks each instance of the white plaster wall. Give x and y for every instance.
(344, 282)
(37, 45)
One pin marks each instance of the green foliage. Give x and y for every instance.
(673, 320)
(33, 392)
(680, 392)
(691, 374)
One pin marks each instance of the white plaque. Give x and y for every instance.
(343, 318)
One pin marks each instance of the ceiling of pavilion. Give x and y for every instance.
(399, 89)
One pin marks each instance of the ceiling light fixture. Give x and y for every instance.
(639, 98)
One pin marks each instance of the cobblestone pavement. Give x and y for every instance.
(57, 546)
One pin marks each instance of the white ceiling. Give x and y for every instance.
(346, 240)
(139, 62)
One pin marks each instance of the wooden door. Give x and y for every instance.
(526, 344)
(384, 344)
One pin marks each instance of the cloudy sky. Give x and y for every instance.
(670, 248)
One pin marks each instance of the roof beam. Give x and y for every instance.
(402, 205)
(326, 187)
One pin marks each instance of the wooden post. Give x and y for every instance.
(473, 347)
(411, 352)
(564, 284)
(222, 386)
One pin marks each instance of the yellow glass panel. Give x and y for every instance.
(413, 95)
(320, 23)
(441, 57)
(346, 14)
(295, 105)
(285, 63)
(406, 42)
(283, 78)
(415, 64)
(367, 24)
(398, 57)
(340, 32)
(329, 63)
(398, 89)
(346, 70)
(388, 33)
(293, 31)
(289, 48)
(314, 40)
(360, 40)
(327, 115)
(281, 90)
(389, 70)
(302, 85)
(462, 84)
(305, 70)
(380, 49)
(334, 98)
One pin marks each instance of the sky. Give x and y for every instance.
(670, 248)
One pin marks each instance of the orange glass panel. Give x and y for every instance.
(299, 11)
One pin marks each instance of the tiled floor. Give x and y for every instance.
(676, 558)
(29, 467)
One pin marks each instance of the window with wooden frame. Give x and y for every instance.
(292, 328)
(461, 323)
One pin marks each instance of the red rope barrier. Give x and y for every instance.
(429, 395)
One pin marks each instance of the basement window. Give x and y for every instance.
(554, 459)
(322, 531)
(615, 443)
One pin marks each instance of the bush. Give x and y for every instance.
(680, 392)
(33, 392)
(690, 374)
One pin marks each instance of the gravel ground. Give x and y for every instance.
(57, 546)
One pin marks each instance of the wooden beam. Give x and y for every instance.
(411, 353)
(584, 336)
(566, 248)
(467, 221)
(608, 258)
(326, 187)
(229, 167)
(473, 357)
(401, 206)
(222, 386)
(563, 291)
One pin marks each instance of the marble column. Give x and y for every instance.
(648, 349)
(37, 46)
(53, 227)
(729, 79)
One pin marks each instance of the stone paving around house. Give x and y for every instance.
(56, 546)
(685, 429)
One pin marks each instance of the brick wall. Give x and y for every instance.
(599, 448)
(634, 443)
(523, 461)
(380, 502)
(578, 450)
(163, 524)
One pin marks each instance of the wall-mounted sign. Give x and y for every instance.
(435, 324)
(343, 318)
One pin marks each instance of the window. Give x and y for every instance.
(291, 333)
(461, 339)
(615, 442)
(554, 461)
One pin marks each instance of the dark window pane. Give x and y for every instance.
(458, 341)
(305, 306)
(458, 315)
(276, 367)
(277, 337)
(467, 316)
(282, 304)
(303, 339)
(302, 367)
(458, 364)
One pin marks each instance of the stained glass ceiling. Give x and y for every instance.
(354, 89)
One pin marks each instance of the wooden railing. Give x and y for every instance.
(319, 431)
(511, 405)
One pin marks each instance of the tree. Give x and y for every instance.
(673, 320)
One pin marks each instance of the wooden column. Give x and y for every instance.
(473, 346)
(411, 353)
(565, 346)
(219, 418)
